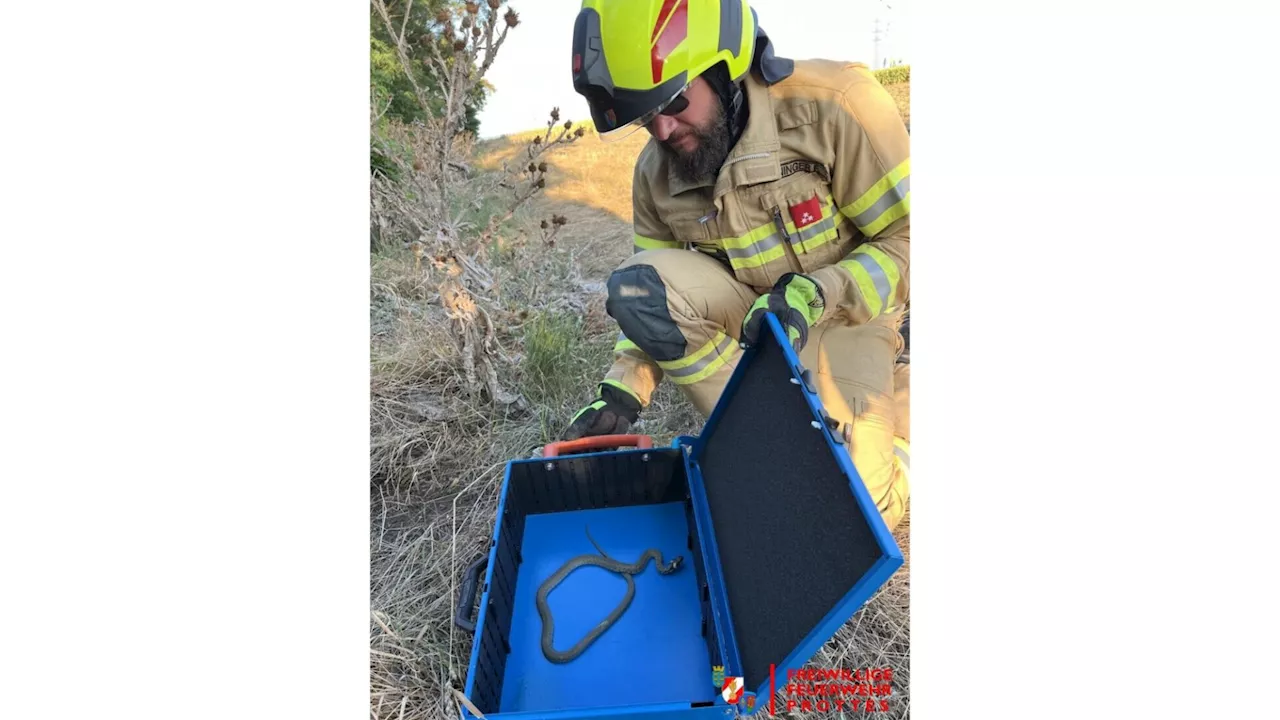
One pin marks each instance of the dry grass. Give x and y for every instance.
(437, 457)
(590, 184)
(595, 173)
(878, 636)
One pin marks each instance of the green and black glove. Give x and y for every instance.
(613, 413)
(796, 300)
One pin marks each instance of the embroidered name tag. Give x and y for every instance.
(792, 167)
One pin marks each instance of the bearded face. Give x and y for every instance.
(697, 139)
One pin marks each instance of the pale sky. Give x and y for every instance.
(531, 74)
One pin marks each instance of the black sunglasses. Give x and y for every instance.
(676, 106)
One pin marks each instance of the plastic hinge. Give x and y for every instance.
(834, 426)
(807, 377)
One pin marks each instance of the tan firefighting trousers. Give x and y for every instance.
(682, 311)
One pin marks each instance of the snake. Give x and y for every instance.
(604, 561)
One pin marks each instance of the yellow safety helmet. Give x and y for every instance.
(632, 58)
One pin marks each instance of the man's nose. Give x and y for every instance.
(662, 126)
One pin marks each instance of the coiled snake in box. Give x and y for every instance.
(608, 563)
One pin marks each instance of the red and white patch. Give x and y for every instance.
(806, 213)
(732, 691)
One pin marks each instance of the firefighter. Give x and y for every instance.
(767, 185)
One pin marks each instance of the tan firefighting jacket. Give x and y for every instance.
(818, 183)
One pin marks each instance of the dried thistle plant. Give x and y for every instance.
(550, 227)
(420, 205)
(533, 166)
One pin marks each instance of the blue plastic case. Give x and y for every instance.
(782, 544)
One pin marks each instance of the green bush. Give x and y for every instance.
(890, 76)
(387, 153)
(553, 348)
(380, 163)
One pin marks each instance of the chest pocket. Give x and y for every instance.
(790, 225)
(802, 206)
(689, 228)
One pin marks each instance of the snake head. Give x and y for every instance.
(675, 563)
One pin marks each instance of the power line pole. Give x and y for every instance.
(875, 63)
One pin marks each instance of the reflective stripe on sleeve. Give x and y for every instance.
(876, 275)
(883, 203)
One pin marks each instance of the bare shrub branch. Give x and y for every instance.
(425, 171)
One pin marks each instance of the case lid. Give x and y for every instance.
(799, 542)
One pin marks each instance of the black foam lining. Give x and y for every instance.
(580, 482)
(491, 664)
(791, 536)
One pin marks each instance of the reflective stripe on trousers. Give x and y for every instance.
(716, 353)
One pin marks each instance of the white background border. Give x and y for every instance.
(184, 289)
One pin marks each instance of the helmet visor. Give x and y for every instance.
(671, 106)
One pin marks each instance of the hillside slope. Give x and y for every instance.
(437, 457)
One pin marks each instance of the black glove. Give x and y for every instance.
(796, 300)
(613, 413)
